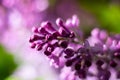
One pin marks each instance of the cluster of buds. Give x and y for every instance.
(65, 48)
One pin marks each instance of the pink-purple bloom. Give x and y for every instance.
(74, 54)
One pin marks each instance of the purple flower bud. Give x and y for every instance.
(48, 25)
(86, 44)
(113, 63)
(109, 41)
(38, 47)
(88, 63)
(98, 48)
(69, 62)
(99, 63)
(35, 38)
(55, 34)
(72, 35)
(117, 55)
(50, 48)
(47, 53)
(63, 44)
(103, 35)
(74, 22)
(32, 45)
(35, 29)
(78, 66)
(104, 75)
(43, 31)
(49, 37)
(118, 75)
(63, 33)
(59, 22)
(81, 73)
(69, 52)
(95, 32)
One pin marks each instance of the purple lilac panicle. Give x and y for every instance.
(100, 48)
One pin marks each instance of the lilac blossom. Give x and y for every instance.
(59, 43)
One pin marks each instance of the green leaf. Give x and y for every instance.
(7, 63)
(12, 78)
(107, 14)
(110, 18)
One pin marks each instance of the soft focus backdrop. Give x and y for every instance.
(17, 60)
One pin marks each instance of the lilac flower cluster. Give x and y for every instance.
(65, 48)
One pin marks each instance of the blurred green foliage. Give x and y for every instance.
(7, 64)
(40, 78)
(16, 78)
(12, 78)
(107, 13)
(110, 18)
(52, 2)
